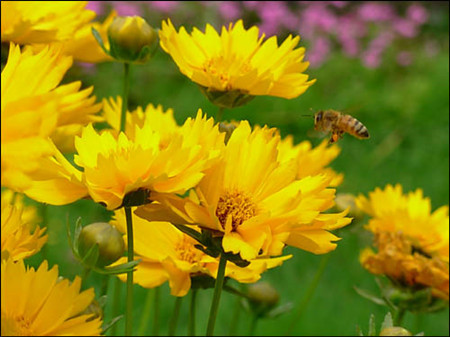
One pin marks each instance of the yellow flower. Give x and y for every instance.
(254, 202)
(21, 237)
(131, 39)
(26, 22)
(238, 60)
(397, 259)
(34, 107)
(38, 303)
(392, 211)
(311, 161)
(146, 161)
(167, 254)
(84, 47)
(161, 121)
(412, 242)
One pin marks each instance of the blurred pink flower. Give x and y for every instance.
(164, 6)
(373, 11)
(126, 8)
(319, 51)
(404, 58)
(405, 27)
(417, 13)
(96, 6)
(230, 10)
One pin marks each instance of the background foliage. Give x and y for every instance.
(406, 110)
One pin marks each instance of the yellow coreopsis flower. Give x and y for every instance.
(255, 202)
(311, 161)
(145, 161)
(167, 254)
(21, 237)
(238, 63)
(38, 303)
(26, 22)
(161, 121)
(34, 107)
(412, 242)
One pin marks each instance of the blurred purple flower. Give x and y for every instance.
(96, 6)
(126, 8)
(319, 51)
(230, 10)
(417, 13)
(275, 14)
(317, 17)
(405, 27)
(338, 4)
(164, 6)
(373, 11)
(404, 58)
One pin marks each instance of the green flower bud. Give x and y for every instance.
(131, 39)
(108, 239)
(263, 297)
(226, 99)
(395, 331)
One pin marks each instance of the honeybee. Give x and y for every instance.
(338, 123)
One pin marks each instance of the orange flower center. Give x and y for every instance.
(16, 326)
(186, 250)
(237, 206)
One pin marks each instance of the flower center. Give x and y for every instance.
(186, 250)
(237, 206)
(16, 326)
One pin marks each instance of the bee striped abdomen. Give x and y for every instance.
(354, 127)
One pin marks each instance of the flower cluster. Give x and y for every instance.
(412, 242)
(196, 203)
(365, 30)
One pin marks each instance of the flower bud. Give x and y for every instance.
(263, 297)
(347, 200)
(131, 39)
(395, 331)
(226, 99)
(108, 239)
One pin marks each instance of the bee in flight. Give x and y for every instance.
(338, 123)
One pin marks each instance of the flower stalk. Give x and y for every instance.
(129, 307)
(216, 297)
(191, 323)
(126, 86)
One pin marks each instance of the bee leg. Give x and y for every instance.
(334, 138)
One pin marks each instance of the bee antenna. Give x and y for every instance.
(308, 115)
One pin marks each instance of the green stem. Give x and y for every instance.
(216, 296)
(126, 86)
(129, 309)
(115, 304)
(398, 318)
(236, 315)
(174, 319)
(86, 272)
(191, 323)
(219, 114)
(251, 330)
(309, 292)
(156, 313)
(146, 312)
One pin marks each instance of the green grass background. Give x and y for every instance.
(406, 110)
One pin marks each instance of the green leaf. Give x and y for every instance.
(99, 40)
(370, 296)
(387, 323)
